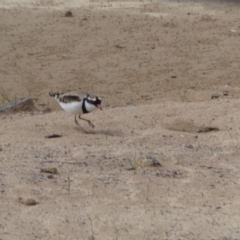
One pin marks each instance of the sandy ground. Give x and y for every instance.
(155, 65)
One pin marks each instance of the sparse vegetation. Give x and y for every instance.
(5, 96)
(147, 199)
(135, 161)
(183, 92)
(91, 237)
(50, 76)
(108, 133)
(68, 184)
(116, 231)
(93, 186)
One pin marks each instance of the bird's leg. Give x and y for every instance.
(89, 122)
(80, 125)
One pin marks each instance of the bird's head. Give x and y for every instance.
(96, 101)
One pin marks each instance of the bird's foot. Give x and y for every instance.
(85, 131)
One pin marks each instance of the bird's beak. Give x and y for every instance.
(99, 106)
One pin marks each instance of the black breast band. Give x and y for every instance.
(83, 106)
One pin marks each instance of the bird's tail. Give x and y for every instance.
(55, 94)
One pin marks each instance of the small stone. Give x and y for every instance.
(155, 162)
(225, 93)
(49, 170)
(215, 96)
(28, 202)
(209, 167)
(120, 45)
(68, 14)
(225, 238)
(189, 146)
(130, 103)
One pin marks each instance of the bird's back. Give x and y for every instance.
(74, 96)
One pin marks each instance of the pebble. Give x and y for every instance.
(225, 238)
(215, 96)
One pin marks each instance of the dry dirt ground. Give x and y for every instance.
(155, 65)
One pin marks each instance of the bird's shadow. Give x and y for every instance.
(113, 133)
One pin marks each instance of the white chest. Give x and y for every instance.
(72, 107)
(90, 107)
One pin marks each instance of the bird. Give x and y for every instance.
(78, 103)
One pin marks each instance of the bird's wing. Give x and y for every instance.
(72, 97)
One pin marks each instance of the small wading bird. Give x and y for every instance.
(78, 103)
